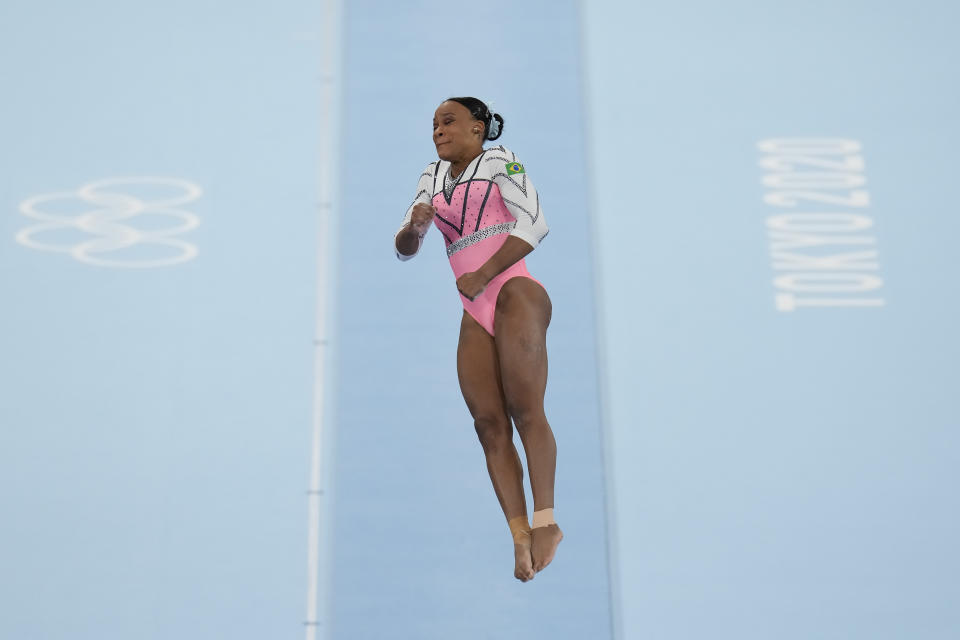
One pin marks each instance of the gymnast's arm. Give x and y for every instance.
(416, 222)
(408, 242)
(523, 202)
(512, 250)
(410, 236)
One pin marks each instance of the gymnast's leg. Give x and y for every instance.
(520, 326)
(478, 371)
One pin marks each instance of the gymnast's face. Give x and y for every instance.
(456, 133)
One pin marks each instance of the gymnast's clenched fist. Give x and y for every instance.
(421, 217)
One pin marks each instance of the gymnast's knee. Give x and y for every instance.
(527, 417)
(494, 431)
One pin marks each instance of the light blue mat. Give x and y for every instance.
(778, 473)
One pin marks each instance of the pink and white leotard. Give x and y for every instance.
(493, 198)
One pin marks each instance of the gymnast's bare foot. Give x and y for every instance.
(545, 542)
(523, 567)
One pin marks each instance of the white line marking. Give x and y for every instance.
(327, 192)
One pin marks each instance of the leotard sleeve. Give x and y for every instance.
(519, 195)
(425, 195)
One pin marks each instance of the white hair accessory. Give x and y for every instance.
(494, 124)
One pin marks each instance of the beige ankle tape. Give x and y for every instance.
(520, 529)
(543, 518)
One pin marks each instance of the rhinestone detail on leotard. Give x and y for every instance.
(483, 234)
(450, 183)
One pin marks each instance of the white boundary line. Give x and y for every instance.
(328, 177)
(603, 392)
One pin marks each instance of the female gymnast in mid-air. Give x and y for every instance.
(488, 212)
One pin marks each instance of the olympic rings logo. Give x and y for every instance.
(108, 211)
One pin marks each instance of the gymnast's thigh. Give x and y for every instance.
(478, 370)
(522, 316)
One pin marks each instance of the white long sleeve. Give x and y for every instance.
(518, 193)
(425, 187)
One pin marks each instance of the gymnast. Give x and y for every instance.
(487, 210)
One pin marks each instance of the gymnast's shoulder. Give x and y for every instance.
(431, 169)
(499, 153)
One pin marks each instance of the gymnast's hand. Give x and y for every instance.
(472, 284)
(421, 217)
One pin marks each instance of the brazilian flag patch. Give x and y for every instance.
(514, 168)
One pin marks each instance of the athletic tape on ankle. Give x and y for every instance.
(543, 518)
(520, 529)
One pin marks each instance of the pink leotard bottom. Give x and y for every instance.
(483, 307)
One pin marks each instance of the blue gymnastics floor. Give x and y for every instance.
(155, 434)
(409, 471)
(752, 354)
(774, 231)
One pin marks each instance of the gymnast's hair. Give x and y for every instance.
(492, 122)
